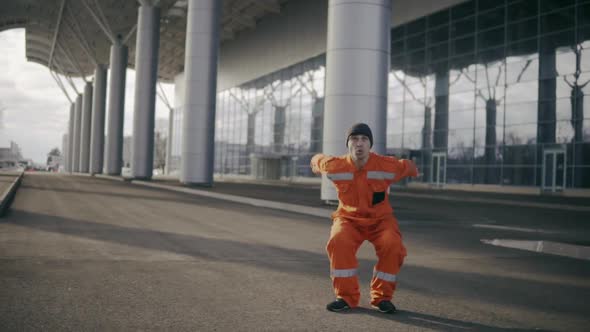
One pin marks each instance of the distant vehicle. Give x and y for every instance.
(53, 163)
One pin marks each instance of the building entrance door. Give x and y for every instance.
(438, 176)
(554, 170)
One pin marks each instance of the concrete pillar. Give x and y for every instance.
(98, 109)
(317, 125)
(279, 128)
(114, 146)
(169, 141)
(441, 111)
(200, 69)
(547, 106)
(357, 63)
(146, 67)
(70, 153)
(76, 138)
(426, 143)
(85, 131)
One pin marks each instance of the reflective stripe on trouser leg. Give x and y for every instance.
(384, 276)
(390, 251)
(343, 273)
(344, 242)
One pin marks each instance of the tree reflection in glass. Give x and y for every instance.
(577, 107)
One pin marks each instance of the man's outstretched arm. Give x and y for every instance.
(402, 168)
(318, 162)
(408, 168)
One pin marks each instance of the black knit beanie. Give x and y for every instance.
(360, 129)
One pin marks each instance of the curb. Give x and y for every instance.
(319, 212)
(8, 195)
(112, 177)
(301, 209)
(497, 201)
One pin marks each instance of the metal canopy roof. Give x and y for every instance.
(65, 35)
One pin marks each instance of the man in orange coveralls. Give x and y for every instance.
(362, 179)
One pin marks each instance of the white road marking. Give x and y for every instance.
(545, 247)
(517, 229)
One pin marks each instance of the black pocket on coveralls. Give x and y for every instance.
(378, 197)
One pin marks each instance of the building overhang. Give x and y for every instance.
(66, 36)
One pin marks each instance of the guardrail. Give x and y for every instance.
(9, 193)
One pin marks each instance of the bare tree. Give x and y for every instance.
(160, 150)
(161, 144)
(251, 109)
(577, 106)
(492, 104)
(441, 116)
(317, 112)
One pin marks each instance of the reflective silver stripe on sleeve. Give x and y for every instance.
(380, 175)
(343, 273)
(339, 176)
(384, 276)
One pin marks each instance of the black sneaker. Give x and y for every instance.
(338, 305)
(385, 307)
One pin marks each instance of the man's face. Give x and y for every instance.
(359, 147)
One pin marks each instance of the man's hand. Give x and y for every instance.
(315, 163)
(410, 169)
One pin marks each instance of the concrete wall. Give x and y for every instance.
(296, 34)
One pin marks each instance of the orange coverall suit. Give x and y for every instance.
(364, 213)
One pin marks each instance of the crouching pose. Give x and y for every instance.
(362, 179)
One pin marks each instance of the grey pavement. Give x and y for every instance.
(84, 253)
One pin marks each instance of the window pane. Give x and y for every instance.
(522, 69)
(438, 18)
(491, 18)
(463, 27)
(460, 138)
(522, 30)
(486, 175)
(458, 174)
(550, 43)
(395, 110)
(564, 132)
(412, 140)
(518, 176)
(565, 61)
(521, 113)
(462, 45)
(461, 119)
(416, 42)
(415, 27)
(461, 101)
(550, 5)
(463, 10)
(521, 134)
(413, 125)
(437, 52)
(519, 10)
(461, 81)
(524, 47)
(557, 21)
(522, 92)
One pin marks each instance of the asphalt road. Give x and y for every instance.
(80, 253)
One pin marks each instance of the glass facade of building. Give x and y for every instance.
(485, 92)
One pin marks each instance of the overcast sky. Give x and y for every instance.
(36, 111)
